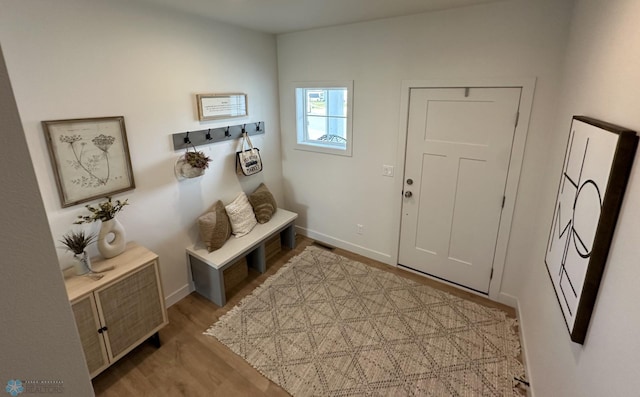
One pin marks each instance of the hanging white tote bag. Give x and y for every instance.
(248, 162)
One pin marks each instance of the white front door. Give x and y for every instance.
(457, 159)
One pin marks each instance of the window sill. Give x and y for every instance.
(326, 149)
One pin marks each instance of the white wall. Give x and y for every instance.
(602, 80)
(38, 339)
(75, 58)
(505, 39)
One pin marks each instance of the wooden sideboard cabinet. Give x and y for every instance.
(122, 309)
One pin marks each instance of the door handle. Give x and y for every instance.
(408, 194)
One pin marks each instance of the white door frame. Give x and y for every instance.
(513, 176)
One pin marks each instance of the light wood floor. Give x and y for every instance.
(192, 364)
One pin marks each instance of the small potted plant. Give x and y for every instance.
(193, 164)
(106, 212)
(77, 242)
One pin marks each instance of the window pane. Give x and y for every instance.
(337, 127)
(336, 102)
(316, 102)
(316, 127)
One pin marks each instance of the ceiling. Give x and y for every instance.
(283, 16)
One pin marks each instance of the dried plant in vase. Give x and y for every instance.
(106, 212)
(103, 211)
(77, 242)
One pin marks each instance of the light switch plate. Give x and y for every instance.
(387, 170)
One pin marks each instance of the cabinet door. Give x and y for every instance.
(95, 352)
(132, 309)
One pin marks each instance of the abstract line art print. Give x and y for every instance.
(595, 171)
(90, 158)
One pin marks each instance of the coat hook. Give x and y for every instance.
(227, 133)
(244, 131)
(208, 135)
(257, 126)
(186, 138)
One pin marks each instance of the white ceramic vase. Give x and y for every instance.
(112, 239)
(82, 264)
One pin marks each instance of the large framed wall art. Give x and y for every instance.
(594, 176)
(90, 158)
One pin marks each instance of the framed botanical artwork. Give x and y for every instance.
(221, 106)
(90, 158)
(594, 176)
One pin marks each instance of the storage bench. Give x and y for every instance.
(207, 268)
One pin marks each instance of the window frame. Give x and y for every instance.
(301, 142)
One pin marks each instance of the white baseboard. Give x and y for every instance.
(523, 347)
(178, 295)
(507, 299)
(345, 245)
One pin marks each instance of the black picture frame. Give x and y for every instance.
(590, 194)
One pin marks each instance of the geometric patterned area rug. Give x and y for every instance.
(325, 325)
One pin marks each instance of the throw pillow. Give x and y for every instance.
(215, 227)
(263, 203)
(241, 215)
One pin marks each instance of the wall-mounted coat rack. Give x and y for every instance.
(183, 140)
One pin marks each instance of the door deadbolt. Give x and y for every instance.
(409, 181)
(408, 194)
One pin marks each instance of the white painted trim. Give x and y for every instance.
(178, 295)
(515, 165)
(345, 245)
(320, 148)
(523, 347)
(507, 299)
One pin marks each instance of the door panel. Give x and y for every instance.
(464, 221)
(88, 324)
(428, 238)
(132, 310)
(440, 126)
(458, 151)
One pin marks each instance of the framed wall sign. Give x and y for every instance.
(90, 158)
(594, 176)
(221, 106)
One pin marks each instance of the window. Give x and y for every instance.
(323, 117)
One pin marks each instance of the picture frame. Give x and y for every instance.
(90, 158)
(222, 106)
(595, 172)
